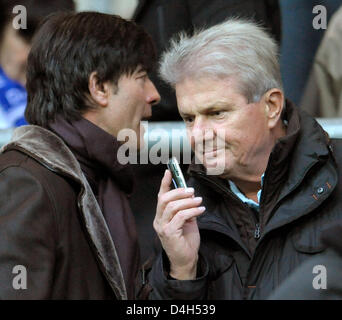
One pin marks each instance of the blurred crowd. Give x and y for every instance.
(14, 49)
(162, 20)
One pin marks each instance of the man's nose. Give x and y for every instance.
(153, 96)
(199, 125)
(202, 130)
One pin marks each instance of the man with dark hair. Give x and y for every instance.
(64, 213)
(14, 48)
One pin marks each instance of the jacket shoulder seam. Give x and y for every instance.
(12, 165)
(47, 188)
(41, 179)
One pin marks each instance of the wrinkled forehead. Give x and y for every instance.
(206, 92)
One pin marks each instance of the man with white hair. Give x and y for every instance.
(249, 227)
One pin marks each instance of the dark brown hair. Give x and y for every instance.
(68, 48)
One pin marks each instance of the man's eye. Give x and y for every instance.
(188, 119)
(217, 113)
(143, 77)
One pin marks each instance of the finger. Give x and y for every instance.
(173, 195)
(183, 216)
(165, 195)
(177, 194)
(164, 188)
(173, 207)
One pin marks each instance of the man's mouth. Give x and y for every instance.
(205, 149)
(210, 153)
(147, 114)
(210, 148)
(146, 118)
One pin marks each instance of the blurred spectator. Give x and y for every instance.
(323, 93)
(14, 49)
(300, 41)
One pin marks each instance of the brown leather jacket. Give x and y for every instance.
(51, 224)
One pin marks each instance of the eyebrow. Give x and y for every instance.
(211, 107)
(140, 70)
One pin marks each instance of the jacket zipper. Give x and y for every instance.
(257, 231)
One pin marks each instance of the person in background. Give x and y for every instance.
(239, 233)
(64, 211)
(323, 93)
(14, 48)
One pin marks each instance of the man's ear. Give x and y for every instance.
(99, 91)
(274, 104)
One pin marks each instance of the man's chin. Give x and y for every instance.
(214, 163)
(140, 137)
(137, 142)
(140, 145)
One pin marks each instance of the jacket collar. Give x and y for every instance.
(48, 149)
(305, 145)
(100, 159)
(310, 158)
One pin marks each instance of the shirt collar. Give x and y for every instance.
(251, 203)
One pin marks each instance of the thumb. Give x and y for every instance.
(165, 183)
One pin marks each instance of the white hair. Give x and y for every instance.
(237, 48)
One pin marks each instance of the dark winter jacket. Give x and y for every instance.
(246, 255)
(51, 223)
